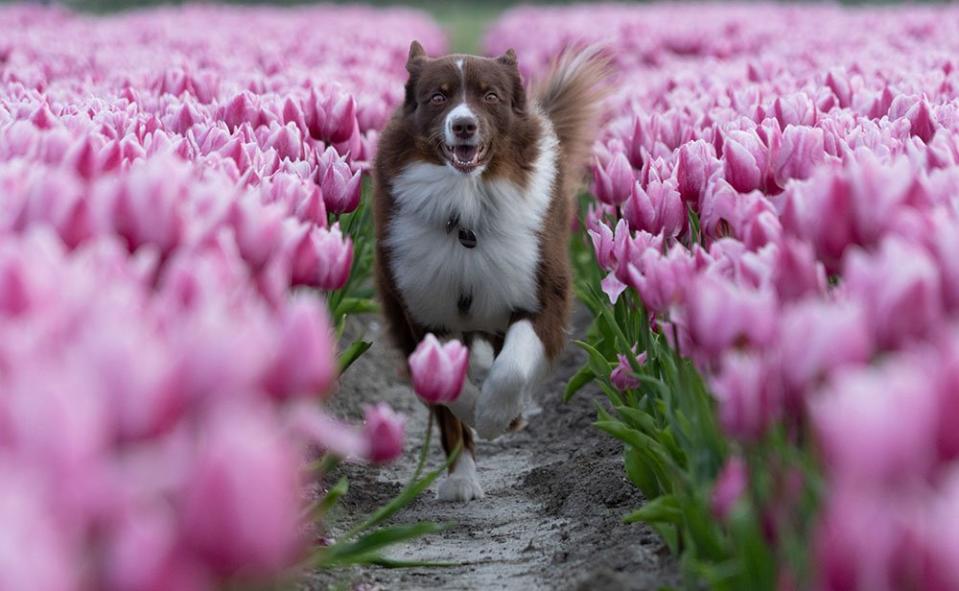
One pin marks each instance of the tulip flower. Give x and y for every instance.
(750, 399)
(233, 525)
(383, 429)
(304, 363)
(622, 375)
(340, 185)
(729, 488)
(696, 164)
(319, 256)
(613, 183)
(744, 161)
(438, 370)
(657, 209)
(721, 315)
(900, 286)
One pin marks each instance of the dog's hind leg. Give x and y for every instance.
(462, 483)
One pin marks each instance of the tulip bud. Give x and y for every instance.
(438, 371)
(622, 375)
(384, 430)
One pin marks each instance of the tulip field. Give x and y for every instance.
(768, 249)
(775, 283)
(178, 210)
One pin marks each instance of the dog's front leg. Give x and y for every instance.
(519, 366)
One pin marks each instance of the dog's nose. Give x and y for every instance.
(464, 127)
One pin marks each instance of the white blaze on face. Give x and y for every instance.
(460, 110)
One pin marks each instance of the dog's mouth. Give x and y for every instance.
(465, 158)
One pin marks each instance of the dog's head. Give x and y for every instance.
(462, 109)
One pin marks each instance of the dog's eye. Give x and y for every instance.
(438, 98)
(491, 98)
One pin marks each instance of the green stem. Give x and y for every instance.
(424, 451)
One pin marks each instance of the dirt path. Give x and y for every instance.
(552, 516)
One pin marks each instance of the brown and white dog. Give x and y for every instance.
(474, 188)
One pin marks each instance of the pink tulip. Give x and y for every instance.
(877, 426)
(729, 488)
(696, 164)
(622, 375)
(856, 542)
(237, 527)
(332, 117)
(721, 315)
(663, 280)
(750, 398)
(335, 257)
(304, 362)
(658, 209)
(258, 230)
(796, 272)
(629, 248)
(818, 337)
(794, 109)
(314, 425)
(438, 370)
(801, 152)
(320, 257)
(384, 430)
(603, 245)
(744, 162)
(341, 186)
(613, 182)
(900, 287)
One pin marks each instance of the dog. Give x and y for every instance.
(474, 185)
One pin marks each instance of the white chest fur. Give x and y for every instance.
(434, 271)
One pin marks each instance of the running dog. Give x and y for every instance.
(474, 185)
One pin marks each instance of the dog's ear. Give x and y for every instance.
(414, 64)
(416, 57)
(508, 60)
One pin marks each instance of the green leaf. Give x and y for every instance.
(362, 549)
(390, 563)
(406, 496)
(664, 509)
(352, 353)
(332, 496)
(637, 419)
(599, 365)
(582, 377)
(640, 473)
(356, 306)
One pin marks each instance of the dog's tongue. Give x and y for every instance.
(465, 153)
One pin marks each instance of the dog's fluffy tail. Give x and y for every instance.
(571, 96)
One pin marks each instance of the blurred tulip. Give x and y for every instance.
(384, 430)
(750, 398)
(729, 488)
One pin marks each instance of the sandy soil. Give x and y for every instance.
(555, 496)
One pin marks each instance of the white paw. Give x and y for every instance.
(464, 407)
(501, 400)
(462, 484)
(517, 368)
(459, 489)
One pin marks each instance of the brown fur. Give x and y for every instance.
(571, 96)
(568, 99)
